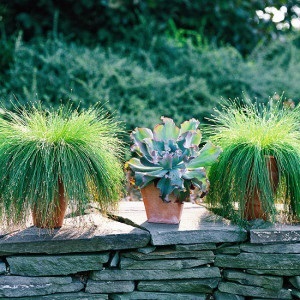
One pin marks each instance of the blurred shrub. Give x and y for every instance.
(231, 22)
(142, 84)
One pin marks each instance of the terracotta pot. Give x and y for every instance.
(157, 210)
(253, 206)
(57, 218)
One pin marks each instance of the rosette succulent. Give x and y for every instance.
(170, 157)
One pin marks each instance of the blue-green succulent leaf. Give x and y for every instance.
(175, 176)
(166, 131)
(166, 161)
(138, 136)
(193, 138)
(137, 165)
(172, 155)
(191, 124)
(207, 156)
(142, 179)
(198, 173)
(166, 188)
(202, 185)
(141, 133)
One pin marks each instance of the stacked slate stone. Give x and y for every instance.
(206, 259)
(266, 268)
(178, 272)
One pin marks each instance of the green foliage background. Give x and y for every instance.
(231, 22)
(146, 58)
(142, 84)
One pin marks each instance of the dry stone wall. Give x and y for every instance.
(258, 264)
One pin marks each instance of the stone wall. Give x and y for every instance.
(205, 257)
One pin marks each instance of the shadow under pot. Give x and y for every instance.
(253, 207)
(157, 210)
(56, 218)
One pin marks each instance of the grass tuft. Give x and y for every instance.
(40, 147)
(248, 133)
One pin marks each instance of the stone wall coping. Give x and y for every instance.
(89, 233)
(127, 228)
(198, 225)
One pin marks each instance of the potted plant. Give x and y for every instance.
(49, 158)
(260, 162)
(169, 164)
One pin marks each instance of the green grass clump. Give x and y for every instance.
(248, 134)
(39, 148)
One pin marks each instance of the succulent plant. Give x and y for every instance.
(170, 157)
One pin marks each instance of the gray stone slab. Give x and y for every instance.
(56, 264)
(225, 296)
(65, 296)
(89, 233)
(282, 295)
(202, 272)
(271, 248)
(232, 249)
(278, 233)
(295, 281)
(251, 291)
(169, 254)
(296, 294)
(109, 286)
(18, 286)
(196, 247)
(158, 296)
(197, 226)
(259, 261)
(267, 282)
(2, 268)
(162, 264)
(282, 272)
(179, 286)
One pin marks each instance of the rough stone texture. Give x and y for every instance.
(259, 261)
(273, 248)
(146, 250)
(295, 281)
(225, 296)
(2, 268)
(109, 286)
(254, 291)
(179, 286)
(161, 264)
(268, 282)
(296, 294)
(158, 296)
(88, 233)
(56, 264)
(197, 225)
(205, 272)
(65, 296)
(223, 249)
(282, 295)
(169, 254)
(115, 260)
(196, 247)
(277, 233)
(274, 272)
(18, 286)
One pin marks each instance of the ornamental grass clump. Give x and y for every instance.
(249, 134)
(41, 148)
